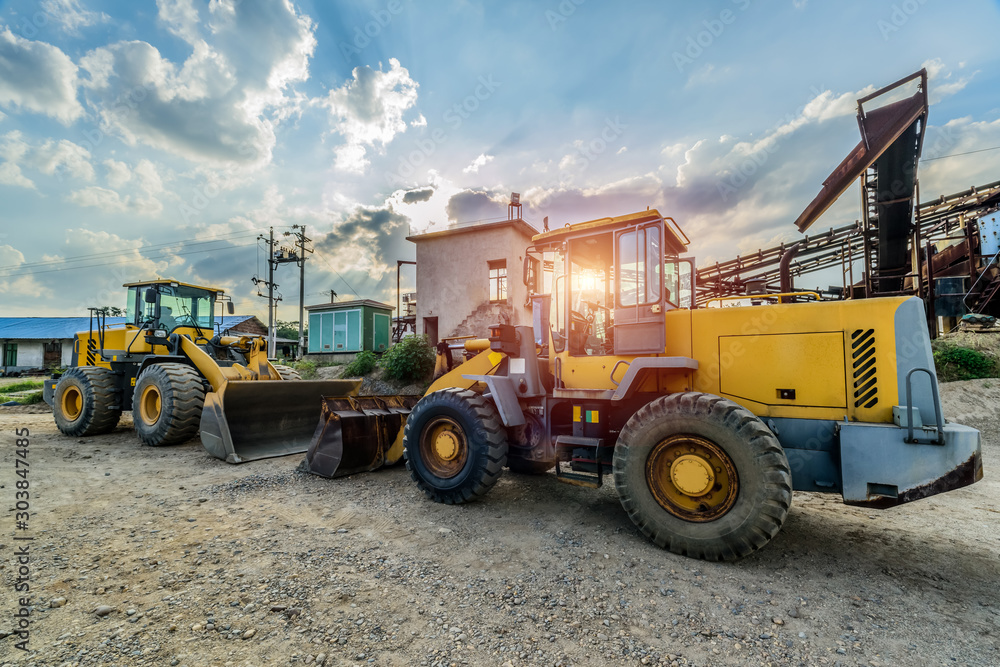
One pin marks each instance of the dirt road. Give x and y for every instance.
(197, 562)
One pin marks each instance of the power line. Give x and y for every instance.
(112, 253)
(941, 157)
(323, 257)
(165, 255)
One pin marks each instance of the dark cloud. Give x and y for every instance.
(414, 196)
(381, 230)
(474, 205)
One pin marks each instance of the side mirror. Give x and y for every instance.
(230, 308)
(150, 295)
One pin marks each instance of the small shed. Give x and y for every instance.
(349, 326)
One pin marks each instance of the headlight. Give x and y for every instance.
(160, 333)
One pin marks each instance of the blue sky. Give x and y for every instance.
(150, 139)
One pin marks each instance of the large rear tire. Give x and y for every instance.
(702, 476)
(287, 372)
(85, 401)
(455, 445)
(167, 404)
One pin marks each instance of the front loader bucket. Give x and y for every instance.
(258, 419)
(358, 434)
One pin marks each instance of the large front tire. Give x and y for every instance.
(702, 476)
(455, 445)
(167, 404)
(85, 401)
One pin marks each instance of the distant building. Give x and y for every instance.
(469, 277)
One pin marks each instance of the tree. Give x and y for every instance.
(288, 329)
(112, 311)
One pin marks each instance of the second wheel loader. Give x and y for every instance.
(179, 378)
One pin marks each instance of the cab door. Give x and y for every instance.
(640, 300)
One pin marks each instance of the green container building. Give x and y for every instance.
(349, 326)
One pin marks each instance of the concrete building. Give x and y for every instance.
(469, 276)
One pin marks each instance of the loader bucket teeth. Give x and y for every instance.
(250, 420)
(357, 434)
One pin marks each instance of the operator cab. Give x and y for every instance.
(602, 287)
(168, 305)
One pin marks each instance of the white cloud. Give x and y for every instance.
(419, 121)
(13, 281)
(71, 15)
(479, 162)
(13, 151)
(118, 174)
(38, 77)
(111, 201)
(52, 157)
(940, 82)
(220, 105)
(368, 111)
(148, 178)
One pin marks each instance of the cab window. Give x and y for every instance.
(640, 254)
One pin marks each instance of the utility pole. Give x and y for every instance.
(272, 260)
(300, 259)
(270, 296)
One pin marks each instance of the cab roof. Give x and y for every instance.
(676, 241)
(168, 281)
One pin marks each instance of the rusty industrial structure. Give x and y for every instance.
(944, 250)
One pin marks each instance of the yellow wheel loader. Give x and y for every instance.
(167, 365)
(706, 418)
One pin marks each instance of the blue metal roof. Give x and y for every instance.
(46, 328)
(56, 328)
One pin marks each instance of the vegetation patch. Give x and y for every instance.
(409, 360)
(23, 385)
(307, 369)
(956, 362)
(362, 365)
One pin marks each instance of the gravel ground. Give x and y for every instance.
(145, 556)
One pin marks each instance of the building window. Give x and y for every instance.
(10, 354)
(498, 280)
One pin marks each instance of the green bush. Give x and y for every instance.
(409, 360)
(962, 363)
(307, 369)
(363, 364)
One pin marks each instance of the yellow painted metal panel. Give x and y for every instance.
(576, 413)
(811, 365)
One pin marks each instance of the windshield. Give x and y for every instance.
(185, 307)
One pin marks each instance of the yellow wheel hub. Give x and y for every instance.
(72, 403)
(150, 405)
(692, 478)
(692, 475)
(444, 448)
(446, 445)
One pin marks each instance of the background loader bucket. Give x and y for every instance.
(250, 420)
(358, 434)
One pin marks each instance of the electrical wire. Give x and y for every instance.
(323, 257)
(941, 157)
(113, 253)
(165, 255)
